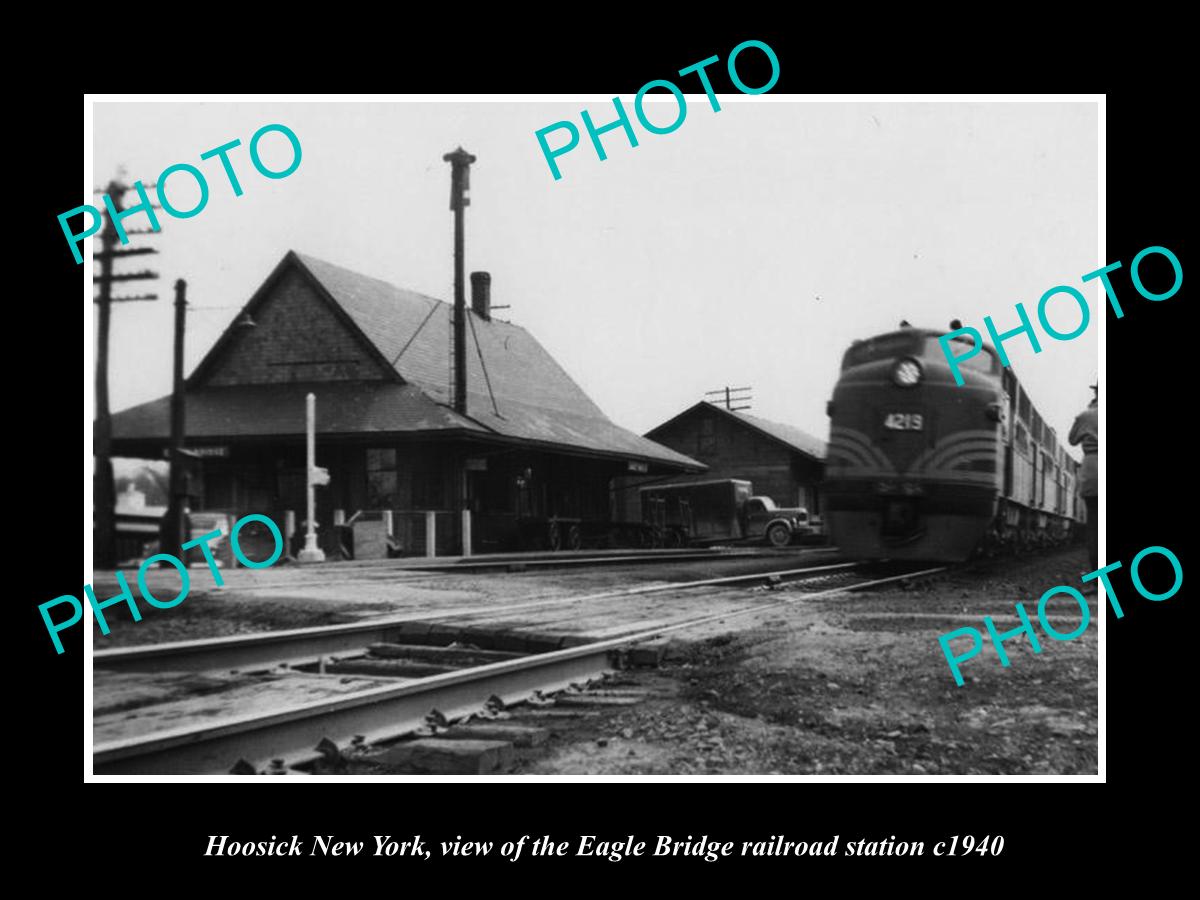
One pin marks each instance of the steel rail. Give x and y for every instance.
(439, 565)
(464, 564)
(392, 570)
(292, 734)
(298, 646)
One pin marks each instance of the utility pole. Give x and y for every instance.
(460, 185)
(104, 550)
(174, 530)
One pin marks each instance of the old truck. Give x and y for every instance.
(720, 511)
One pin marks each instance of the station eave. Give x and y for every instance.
(356, 411)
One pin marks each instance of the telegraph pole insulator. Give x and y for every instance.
(125, 251)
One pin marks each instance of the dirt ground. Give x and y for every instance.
(858, 684)
(301, 597)
(849, 684)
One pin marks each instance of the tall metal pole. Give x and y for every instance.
(311, 552)
(175, 531)
(460, 317)
(460, 183)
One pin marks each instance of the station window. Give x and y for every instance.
(428, 489)
(381, 478)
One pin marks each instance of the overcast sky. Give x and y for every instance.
(749, 247)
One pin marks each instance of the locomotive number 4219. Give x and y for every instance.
(904, 421)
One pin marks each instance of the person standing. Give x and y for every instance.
(1086, 431)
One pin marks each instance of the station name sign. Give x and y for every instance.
(221, 451)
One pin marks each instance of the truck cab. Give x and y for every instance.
(763, 520)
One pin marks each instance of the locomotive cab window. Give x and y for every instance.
(893, 346)
(887, 347)
(980, 362)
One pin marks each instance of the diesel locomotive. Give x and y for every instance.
(919, 468)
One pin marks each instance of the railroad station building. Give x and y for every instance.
(781, 461)
(531, 462)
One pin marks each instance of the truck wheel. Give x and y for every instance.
(779, 535)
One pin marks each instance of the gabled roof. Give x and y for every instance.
(791, 437)
(409, 334)
(413, 330)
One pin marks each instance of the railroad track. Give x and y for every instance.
(527, 562)
(298, 646)
(393, 570)
(304, 732)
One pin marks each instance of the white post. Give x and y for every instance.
(466, 532)
(387, 524)
(339, 517)
(289, 529)
(430, 533)
(311, 552)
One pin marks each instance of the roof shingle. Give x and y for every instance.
(794, 438)
(787, 434)
(535, 398)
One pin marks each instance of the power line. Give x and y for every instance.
(487, 378)
(408, 343)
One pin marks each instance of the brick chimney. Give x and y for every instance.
(481, 294)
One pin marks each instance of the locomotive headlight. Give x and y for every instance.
(907, 373)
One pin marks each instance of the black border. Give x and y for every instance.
(1145, 392)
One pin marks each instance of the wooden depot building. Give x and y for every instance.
(781, 461)
(530, 463)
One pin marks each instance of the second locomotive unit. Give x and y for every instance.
(921, 468)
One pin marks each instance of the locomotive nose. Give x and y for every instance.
(901, 519)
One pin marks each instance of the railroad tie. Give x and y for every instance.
(517, 735)
(443, 756)
(390, 668)
(451, 655)
(596, 698)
